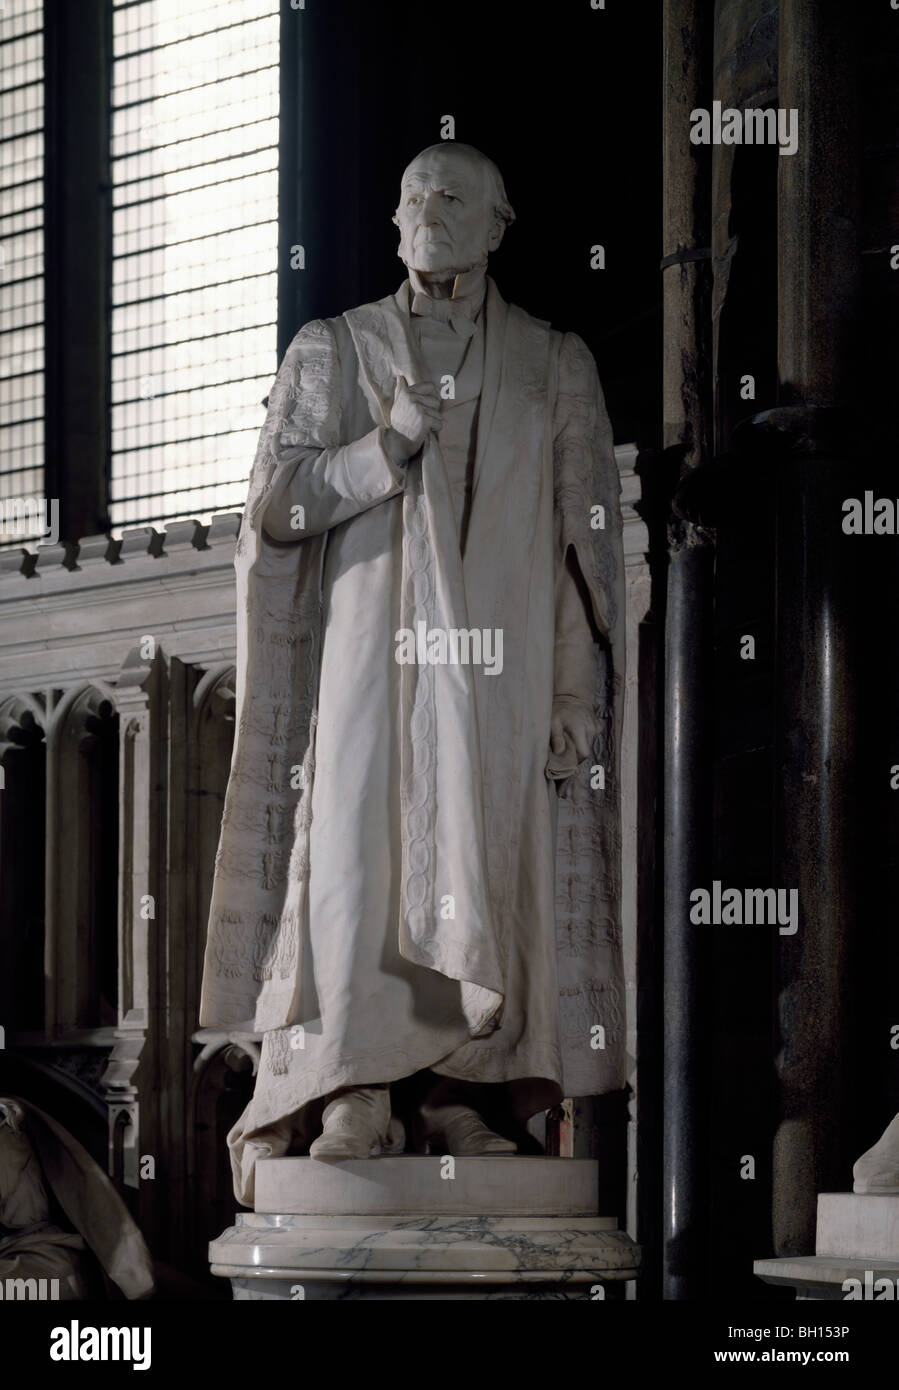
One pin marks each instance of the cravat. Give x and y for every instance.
(458, 313)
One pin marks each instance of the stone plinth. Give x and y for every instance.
(410, 1186)
(862, 1227)
(857, 1239)
(821, 1277)
(394, 1228)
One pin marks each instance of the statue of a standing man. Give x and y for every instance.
(418, 868)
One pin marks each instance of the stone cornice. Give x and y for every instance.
(635, 534)
(71, 615)
(62, 625)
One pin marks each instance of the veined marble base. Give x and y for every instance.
(509, 1249)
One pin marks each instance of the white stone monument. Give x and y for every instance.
(419, 867)
(857, 1238)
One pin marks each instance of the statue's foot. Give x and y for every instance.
(459, 1130)
(878, 1169)
(357, 1123)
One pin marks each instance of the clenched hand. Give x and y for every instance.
(572, 722)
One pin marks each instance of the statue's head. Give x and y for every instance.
(452, 211)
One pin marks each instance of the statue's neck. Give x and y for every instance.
(466, 284)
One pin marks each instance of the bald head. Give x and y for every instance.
(467, 156)
(452, 211)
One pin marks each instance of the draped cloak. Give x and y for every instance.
(464, 884)
(44, 1155)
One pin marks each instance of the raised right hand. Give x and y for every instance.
(414, 413)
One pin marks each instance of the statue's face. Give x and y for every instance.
(446, 214)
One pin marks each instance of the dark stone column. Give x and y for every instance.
(817, 606)
(688, 711)
(77, 239)
(324, 180)
(291, 201)
(817, 815)
(687, 808)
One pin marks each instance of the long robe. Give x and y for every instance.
(392, 892)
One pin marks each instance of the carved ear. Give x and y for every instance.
(11, 1115)
(495, 234)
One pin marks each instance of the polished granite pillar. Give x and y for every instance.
(818, 448)
(687, 804)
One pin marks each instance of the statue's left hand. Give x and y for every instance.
(572, 723)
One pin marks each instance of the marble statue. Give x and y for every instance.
(39, 1159)
(418, 872)
(878, 1168)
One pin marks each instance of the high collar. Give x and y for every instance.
(469, 288)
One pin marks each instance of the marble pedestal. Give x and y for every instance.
(410, 1227)
(857, 1237)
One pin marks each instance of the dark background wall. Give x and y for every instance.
(564, 98)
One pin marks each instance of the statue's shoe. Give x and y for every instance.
(358, 1124)
(459, 1130)
(878, 1169)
